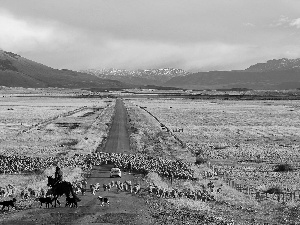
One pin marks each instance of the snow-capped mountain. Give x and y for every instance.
(276, 74)
(275, 65)
(140, 77)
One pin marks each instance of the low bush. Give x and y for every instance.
(283, 168)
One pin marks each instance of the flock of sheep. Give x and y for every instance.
(135, 162)
(204, 193)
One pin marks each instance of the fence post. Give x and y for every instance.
(257, 196)
(217, 171)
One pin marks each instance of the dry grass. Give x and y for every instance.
(190, 204)
(54, 138)
(245, 138)
(150, 139)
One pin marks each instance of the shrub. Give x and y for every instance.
(200, 160)
(273, 190)
(283, 168)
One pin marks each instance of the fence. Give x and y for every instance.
(280, 196)
(259, 195)
(164, 127)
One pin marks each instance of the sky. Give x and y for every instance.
(194, 35)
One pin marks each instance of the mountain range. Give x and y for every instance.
(275, 65)
(138, 77)
(272, 75)
(276, 74)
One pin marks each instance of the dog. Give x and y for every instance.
(8, 203)
(71, 202)
(46, 200)
(82, 190)
(103, 200)
(94, 188)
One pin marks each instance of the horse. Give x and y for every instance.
(60, 188)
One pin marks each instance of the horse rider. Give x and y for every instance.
(58, 175)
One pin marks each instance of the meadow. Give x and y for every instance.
(51, 127)
(244, 139)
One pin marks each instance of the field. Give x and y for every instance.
(246, 139)
(51, 127)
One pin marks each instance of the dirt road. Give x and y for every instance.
(124, 208)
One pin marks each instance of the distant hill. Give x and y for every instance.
(276, 65)
(272, 75)
(16, 71)
(138, 77)
(276, 74)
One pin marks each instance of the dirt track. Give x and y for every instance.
(124, 207)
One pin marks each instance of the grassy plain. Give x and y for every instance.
(244, 138)
(250, 136)
(51, 126)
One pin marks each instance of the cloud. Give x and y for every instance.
(113, 52)
(282, 20)
(295, 23)
(286, 22)
(28, 35)
(197, 47)
(248, 24)
(135, 54)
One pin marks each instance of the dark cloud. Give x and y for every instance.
(194, 34)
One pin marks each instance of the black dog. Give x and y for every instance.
(8, 203)
(72, 202)
(103, 200)
(46, 200)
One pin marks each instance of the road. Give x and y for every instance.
(124, 208)
(118, 137)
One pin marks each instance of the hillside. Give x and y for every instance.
(16, 71)
(273, 75)
(276, 74)
(276, 65)
(138, 77)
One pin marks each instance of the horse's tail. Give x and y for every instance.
(74, 194)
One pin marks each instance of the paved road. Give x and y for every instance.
(124, 207)
(118, 137)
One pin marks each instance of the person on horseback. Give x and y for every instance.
(58, 176)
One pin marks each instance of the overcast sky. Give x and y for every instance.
(195, 35)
